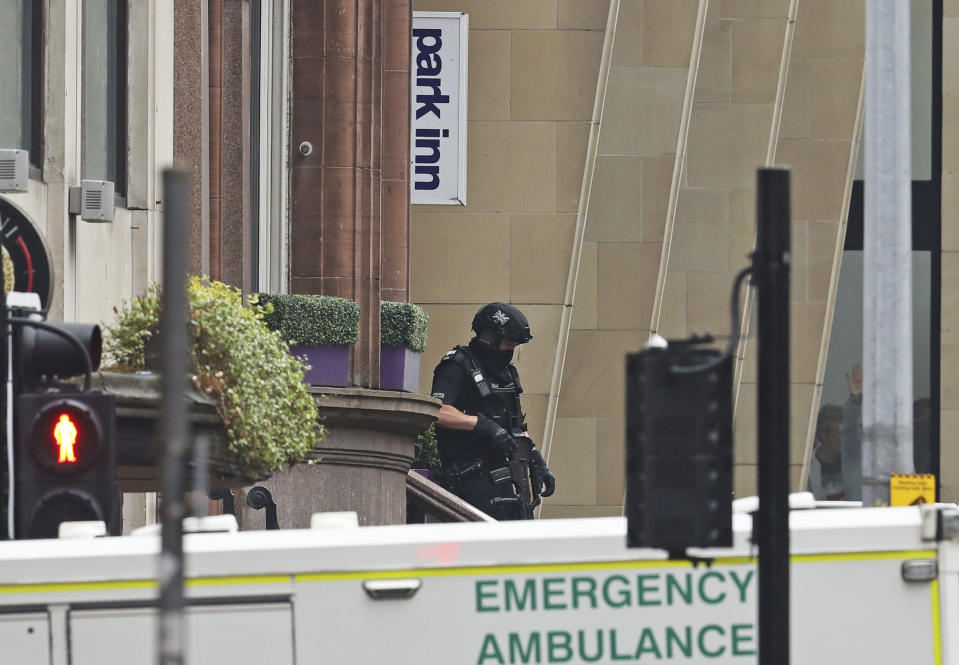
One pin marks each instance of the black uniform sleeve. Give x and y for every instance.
(448, 383)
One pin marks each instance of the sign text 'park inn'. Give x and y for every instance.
(640, 616)
(438, 108)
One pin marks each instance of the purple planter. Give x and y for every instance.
(329, 365)
(399, 369)
(429, 474)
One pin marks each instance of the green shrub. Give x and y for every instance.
(313, 320)
(137, 322)
(425, 452)
(269, 417)
(403, 324)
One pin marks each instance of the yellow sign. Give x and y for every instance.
(912, 489)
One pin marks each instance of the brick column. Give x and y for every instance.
(339, 88)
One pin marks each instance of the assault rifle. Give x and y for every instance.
(516, 474)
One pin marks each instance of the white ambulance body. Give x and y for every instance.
(551, 591)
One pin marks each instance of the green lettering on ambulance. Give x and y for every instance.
(518, 655)
(643, 647)
(559, 643)
(490, 650)
(549, 592)
(613, 652)
(737, 638)
(702, 641)
(482, 595)
(529, 595)
(645, 587)
(702, 588)
(743, 584)
(686, 593)
(686, 647)
(589, 592)
(624, 597)
(591, 658)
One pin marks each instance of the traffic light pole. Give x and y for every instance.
(771, 276)
(174, 341)
(6, 411)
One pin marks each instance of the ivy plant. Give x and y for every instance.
(269, 417)
(312, 320)
(403, 324)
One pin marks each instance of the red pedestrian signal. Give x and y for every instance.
(65, 435)
(64, 461)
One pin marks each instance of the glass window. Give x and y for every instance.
(103, 115)
(269, 52)
(835, 469)
(836, 466)
(20, 43)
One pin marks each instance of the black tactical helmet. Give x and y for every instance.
(504, 321)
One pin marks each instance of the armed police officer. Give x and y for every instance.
(487, 456)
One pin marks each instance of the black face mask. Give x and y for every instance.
(496, 357)
(504, 357)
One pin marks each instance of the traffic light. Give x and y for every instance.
(65, 467)
(64, 458)
(679, 456)
(41, 353)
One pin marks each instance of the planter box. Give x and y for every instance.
(139, 458)
(329, 365)
(399, 369)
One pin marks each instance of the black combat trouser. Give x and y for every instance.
(471, 481)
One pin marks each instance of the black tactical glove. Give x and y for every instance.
(540, 474)
(500, 440)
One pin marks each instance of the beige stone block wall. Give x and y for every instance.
(623, 232)
(713, 228)
(949, 340)
(533, 71)
(537, 63)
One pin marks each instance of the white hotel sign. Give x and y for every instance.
(438, 108)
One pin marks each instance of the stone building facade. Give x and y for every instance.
(612, 148)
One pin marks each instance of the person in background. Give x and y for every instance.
(825, 469)
(851, 436)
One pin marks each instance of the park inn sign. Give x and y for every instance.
(438, 108)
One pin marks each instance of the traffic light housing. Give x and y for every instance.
(64, 461)
(41, 353)
(63, 439)
(679, 447)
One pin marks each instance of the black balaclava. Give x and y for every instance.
(496, 357)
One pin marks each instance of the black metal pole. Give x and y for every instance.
(5, 343)
(771, 275)
(174, 340)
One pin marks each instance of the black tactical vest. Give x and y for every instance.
(495, 394)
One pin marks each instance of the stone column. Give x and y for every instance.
(340, 84)
(397, 19)
(191, 126)
(229, 136)
(362, 463)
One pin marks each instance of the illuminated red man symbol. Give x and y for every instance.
(65, 434)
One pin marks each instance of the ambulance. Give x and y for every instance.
(877, 586)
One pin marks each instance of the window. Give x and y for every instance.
(835, 468)
(269, 49)
(103, 110)
(21, 42)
